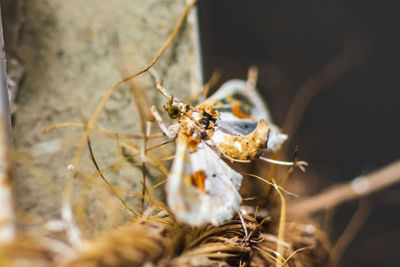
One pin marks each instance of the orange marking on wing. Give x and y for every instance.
(237, 111)
(199, 180)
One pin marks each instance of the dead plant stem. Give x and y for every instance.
(352, 228)
(359, 187)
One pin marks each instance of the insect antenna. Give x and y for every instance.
(159, 82)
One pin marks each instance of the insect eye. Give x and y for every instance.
(174, 112)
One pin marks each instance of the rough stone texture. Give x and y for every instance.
(70, 56)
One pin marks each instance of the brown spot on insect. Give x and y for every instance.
(208, 108)
(249, 146)
(198, 179)
(193, 143)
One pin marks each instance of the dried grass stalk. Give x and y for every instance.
(159, 241)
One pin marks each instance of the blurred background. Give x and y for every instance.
(348, 52)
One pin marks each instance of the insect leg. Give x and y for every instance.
(168, 131)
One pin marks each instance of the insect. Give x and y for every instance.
(232, 123)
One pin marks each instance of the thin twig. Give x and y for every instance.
(78, 153)
(352, 228)
(281, 232)
(106, 181)
(142, 106)
(352, 56)
(357, 188)
(107, 132)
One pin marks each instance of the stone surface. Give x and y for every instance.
(72, 52)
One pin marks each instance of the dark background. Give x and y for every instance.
(351, 126)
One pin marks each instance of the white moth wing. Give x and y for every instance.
(229, 88)
(230, 124)
(217, 201)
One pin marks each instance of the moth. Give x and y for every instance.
(234, 124)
